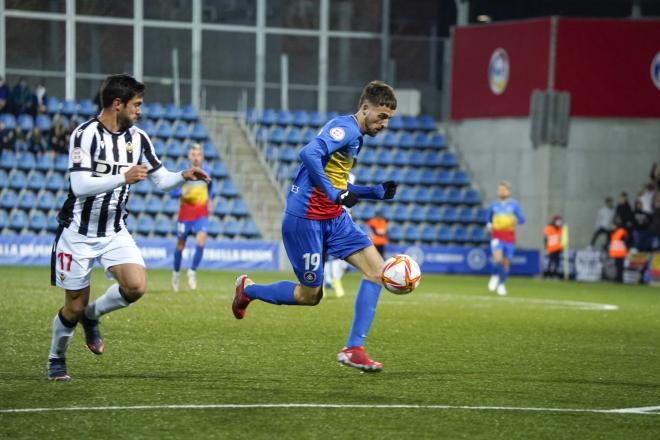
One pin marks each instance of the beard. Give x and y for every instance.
(124, 121)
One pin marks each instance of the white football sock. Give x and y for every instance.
(62, 335)
(111, 300)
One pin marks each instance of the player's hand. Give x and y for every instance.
(135, 174)
(347, 198)
(390, 189)
(196, 173)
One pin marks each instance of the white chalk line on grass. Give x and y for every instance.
(483, 300)
(648, 410)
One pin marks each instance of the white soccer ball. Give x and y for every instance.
(401, 274)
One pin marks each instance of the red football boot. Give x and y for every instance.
(356, 357)
(241, 300)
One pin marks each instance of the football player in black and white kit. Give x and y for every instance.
(107, 154)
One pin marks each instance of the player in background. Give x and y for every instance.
(334, 268)
(193, 218)
(502, 218)
(107, 154)
(315, 224)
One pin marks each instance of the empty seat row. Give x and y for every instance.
(153, 110)
(416, 214)
(438, 234)
(178, 130)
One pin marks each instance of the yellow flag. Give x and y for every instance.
(564, 236)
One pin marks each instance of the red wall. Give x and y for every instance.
(526, 43)
(606, 65)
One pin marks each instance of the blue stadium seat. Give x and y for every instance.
(362, 176)
(4, 219)
(417, 158)
(426, 123)
(172, 112)
(25, 122)
(448, 160)
(454, 196)
(36, 180)
(171, 206)
(181, 130)
(410, 123)
(142, 187)
(164, 130)
(417, 214)
(479, 215)
(428, 177)
(406, 140)
(60, 198)
(51, 222)
(18, 220)
(438, 196)
(222, 208)
(293, 171)
(412, 176)
(395, 233)
(155, 110)
(449, 215)
(43, 123)
(131, 223)
(412, 233)
(380, 175)
(387, 210)
(401, 159)
(390, 140)
(277, 135)
(422, 141)
(445, 234)
(135, 203)
(209, 151)
(330, 115)
(479, 235)
(163, 225)
(272, 153)
(239, 209)
(38, 222)
(460, 178)
(268, 117)
(288, 154)
(27, 161)
(384, 157)
(169, 164)
(8, 160)
(153, 205)
(438, 141)
(188, 113)
(284, 118)
(294, 136)
(471, 197)
(262, 135)
(145, 225)
(46, 201)
(395, 174)
(231, 228)
(282, 171)
(300, 118)
(368, 210)
(395, 123)
(251, 116)
(401, 214)
(316, 119)
(368, 157)
(357, 212)
(308, 135)
(45, 162)
(4, 179)
(52, 105)
(68, 107)
(219, 170)
(423, 195)
(249, 229)
(444, 177)
(371, 141)
(159, 147)
(434, 214)
(460, 234)
(465, 215)
(17, 179)
(229, 189)
(428, 234)
(432, 159)
(87, 108)
(174, 149)
(9, 199)
(9, 120)
(215, 227)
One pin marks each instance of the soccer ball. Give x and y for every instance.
(401, 274)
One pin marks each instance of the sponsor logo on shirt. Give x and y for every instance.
(337, 133)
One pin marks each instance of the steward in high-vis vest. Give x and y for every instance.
(553, 246)
(378, 226)
(618, 247)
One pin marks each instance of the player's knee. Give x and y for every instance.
(310, 297)
(73, 311)
(373, 275)
(133, 290)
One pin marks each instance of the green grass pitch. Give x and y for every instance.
(506, 361)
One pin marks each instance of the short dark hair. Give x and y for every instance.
(378, 93)
(122, 86)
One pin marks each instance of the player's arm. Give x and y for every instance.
(520, 218)
(166, 180)
(384, 191)
(489, 218)
(311, 156)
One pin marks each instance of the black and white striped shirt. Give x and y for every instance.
(102, 154)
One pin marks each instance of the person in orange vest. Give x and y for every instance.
(618, 247)
(378, 226)
(553, 246)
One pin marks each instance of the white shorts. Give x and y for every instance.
(74, 255)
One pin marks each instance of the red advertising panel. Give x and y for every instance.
(610, 67)
(496, 67)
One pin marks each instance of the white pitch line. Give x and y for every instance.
(328, 406)
(639, 410)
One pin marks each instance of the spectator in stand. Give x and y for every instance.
(640, 229)
(4, 96)
(604, 222)
(59, 136)
(39, 101)
(378, 226)
(646, 197)
(36, 142)
(20, 99)
(7, 138)
(624, 211)
(618, 248)
(654, 227)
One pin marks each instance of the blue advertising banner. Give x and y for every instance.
(463, 260)
(34, 250)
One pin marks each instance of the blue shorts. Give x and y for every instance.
(308, 242)
(507, 248)
(183, 229)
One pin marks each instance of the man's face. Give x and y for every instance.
(130, 112)
(376, 118)
(503, 191)
(195, 157)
